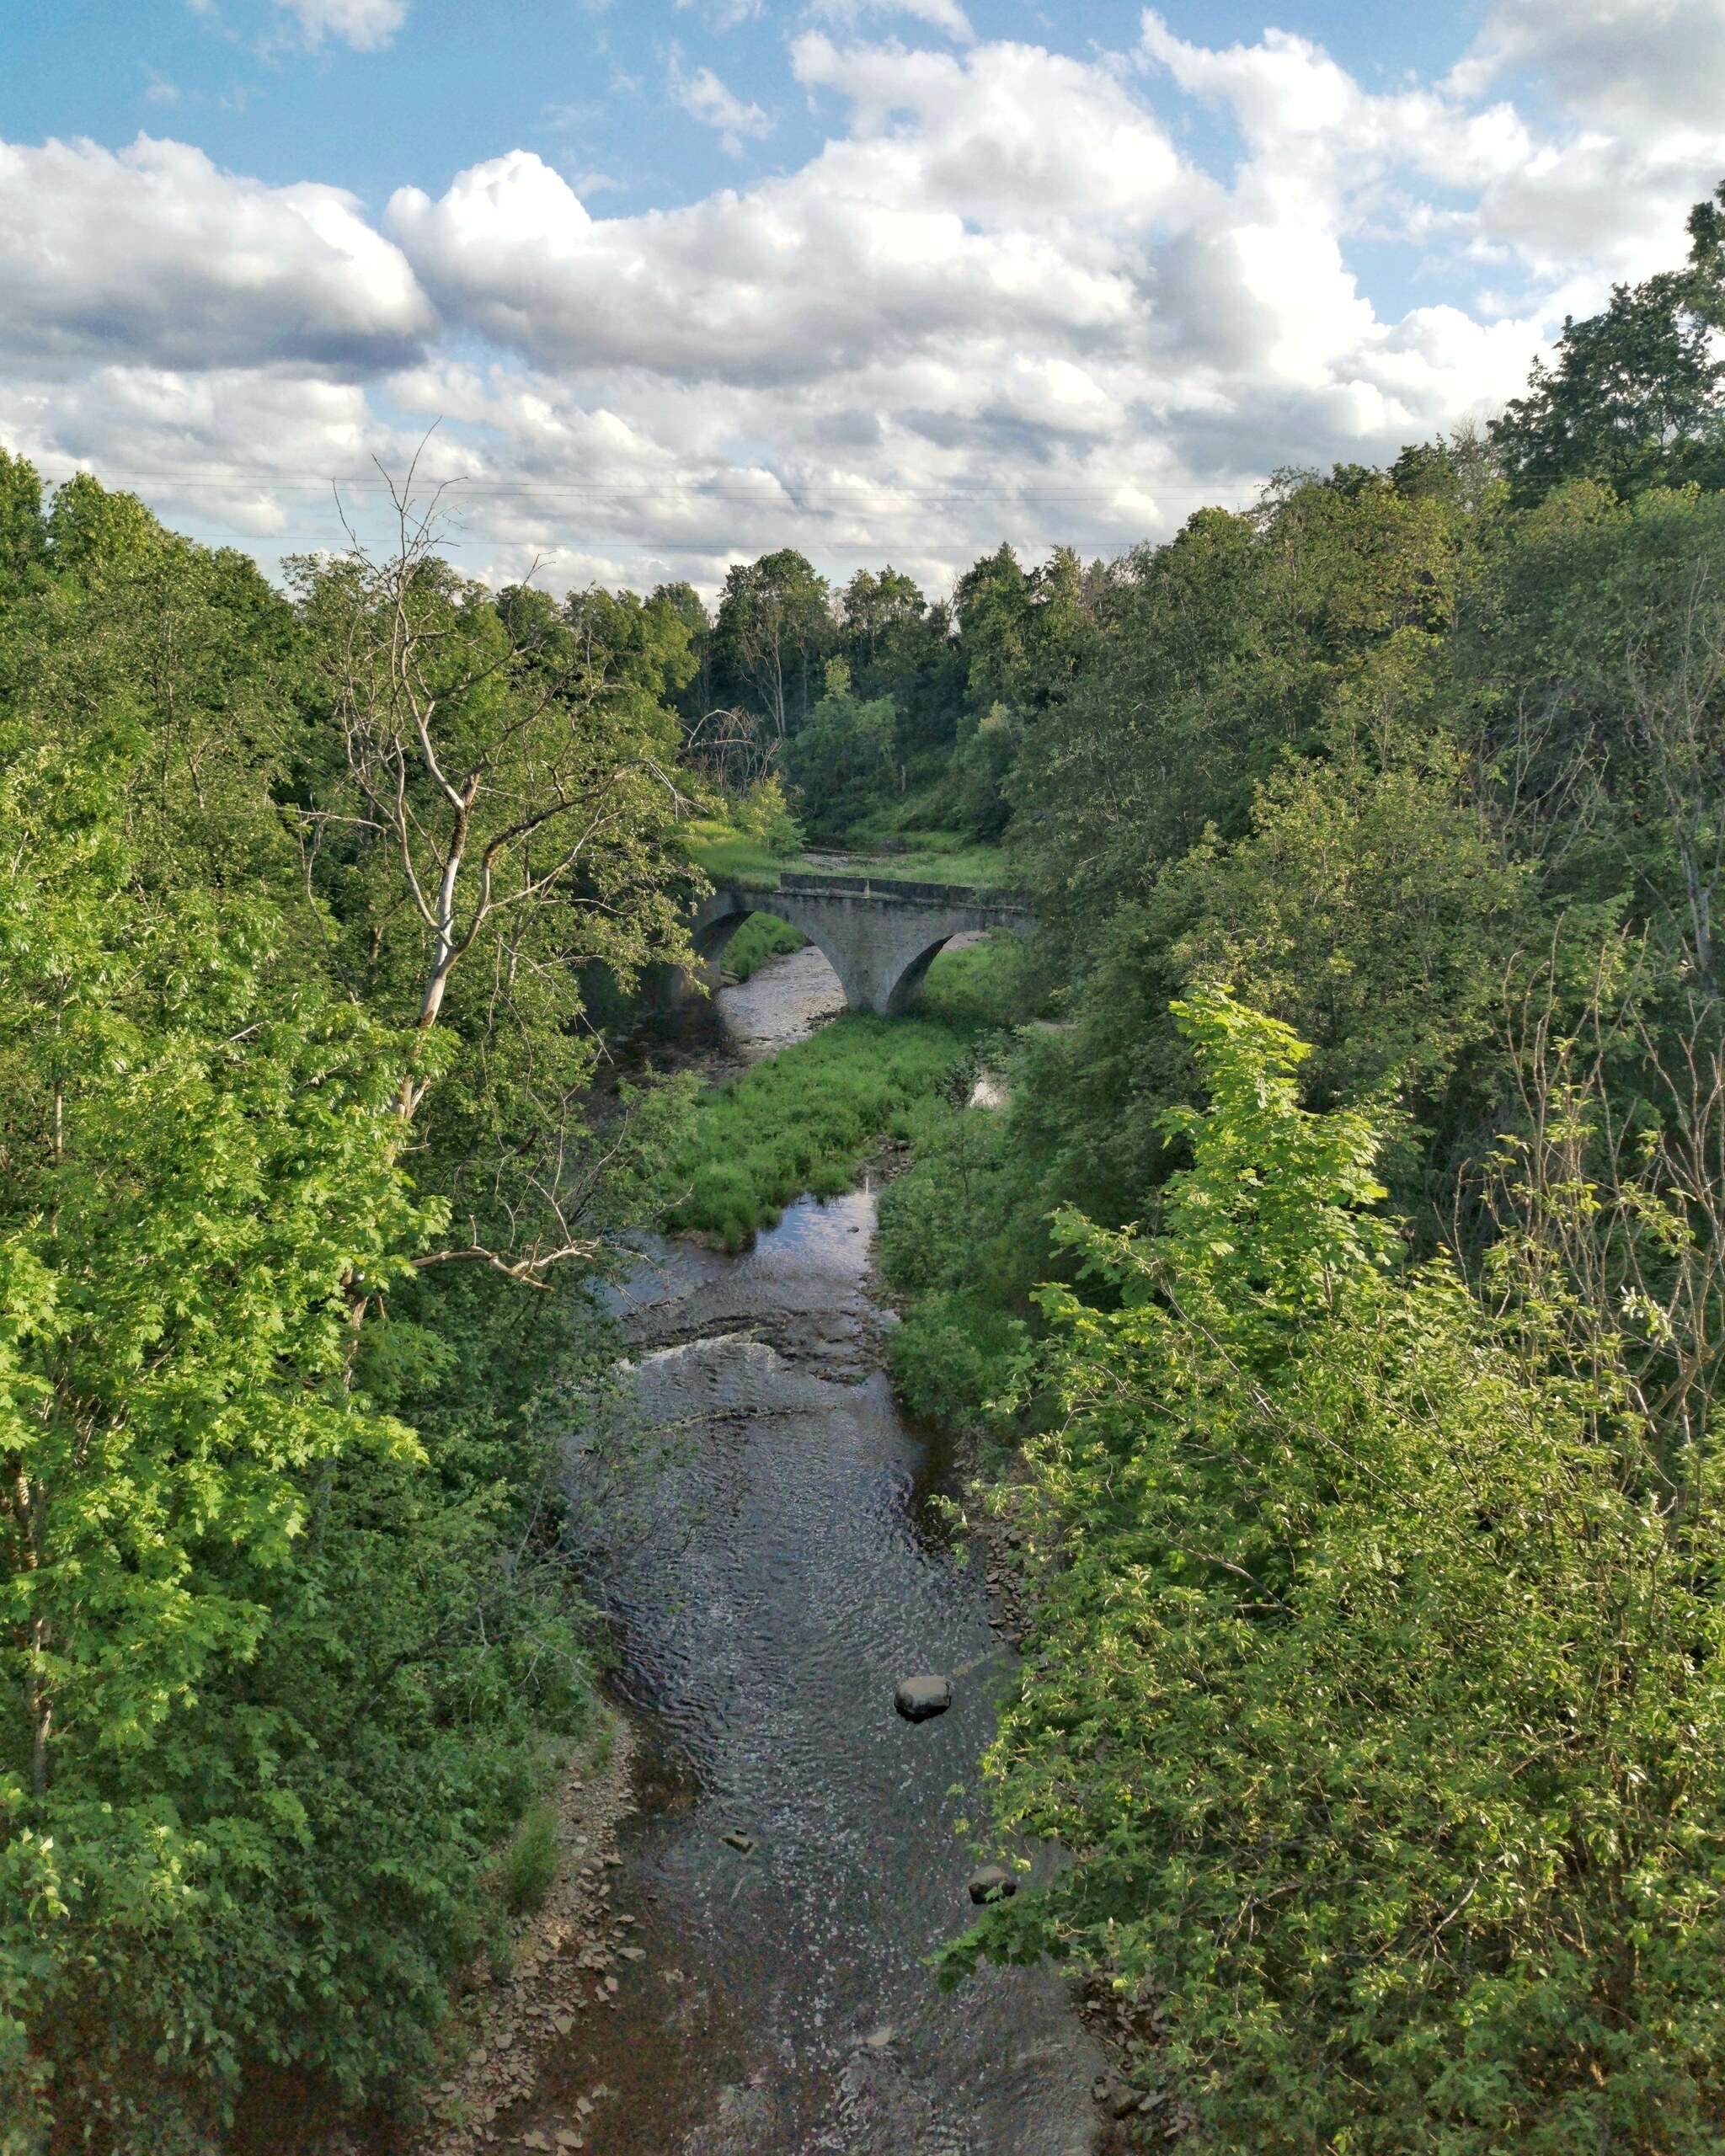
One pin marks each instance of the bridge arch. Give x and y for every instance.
(879, 937)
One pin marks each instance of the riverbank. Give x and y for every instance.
(761, 1528)
(519, 2009)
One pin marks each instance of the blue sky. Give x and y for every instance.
(676, 282)
(586, 86)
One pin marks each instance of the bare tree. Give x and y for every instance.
(505, 783)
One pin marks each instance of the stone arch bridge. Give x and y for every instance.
(879, 937)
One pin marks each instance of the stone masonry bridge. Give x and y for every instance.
(879, 937)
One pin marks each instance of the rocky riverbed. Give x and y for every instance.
(736, 1961)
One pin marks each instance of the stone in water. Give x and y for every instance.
(919, 1699)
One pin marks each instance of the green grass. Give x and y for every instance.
(984, 986)
(805, 1121)
(932, 857)
(761, 936)
(729, 856)
(964, 860)
(531, 1861)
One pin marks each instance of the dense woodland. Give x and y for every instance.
(1336, 1302)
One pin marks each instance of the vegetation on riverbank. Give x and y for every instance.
(1347, 1278)
(290, 1285)
(762, 936)
(805, 1120)
(808, 1119)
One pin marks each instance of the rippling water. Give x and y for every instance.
(757, 1526)
(770, 1580)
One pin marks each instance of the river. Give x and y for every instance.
(762, 1539)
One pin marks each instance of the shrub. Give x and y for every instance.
(1377, 1682)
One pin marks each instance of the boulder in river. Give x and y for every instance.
(919, 1699)
(992, 1884)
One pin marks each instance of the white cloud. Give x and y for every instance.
(154, 256)
(1001, 297)
(706, 98)
(1658, 62)
(367, 25)
(941, 15)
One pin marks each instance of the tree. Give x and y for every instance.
(1591, 674)
(198, 1163)
(1376, 1686)
(843, 758)
(284, 1628)
(1636, 398)
(502, 804)
(774, 629)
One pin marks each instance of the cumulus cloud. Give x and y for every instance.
(154, 256)
(366, 25)
(1002, 296)
(706, 98)
(986, 218)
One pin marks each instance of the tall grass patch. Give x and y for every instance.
(762, 936)
(806, 1120)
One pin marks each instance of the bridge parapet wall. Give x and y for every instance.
(896, 890)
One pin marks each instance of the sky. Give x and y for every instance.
(647, 287)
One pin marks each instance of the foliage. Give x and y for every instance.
(762, 936)
(773, 633)
(948, 1254)
(285, 1627)
(841, 756)
(490, 811)
(764, 814)
(529, 1867)
(983, 984)
(1637, 398)
(1375, 1683)
(1594, 671)
(804, 1121)
(725, 855)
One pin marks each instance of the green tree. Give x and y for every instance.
(843, 758)
(287, 1634)
(491, 811)
(1376, 1686)
(198, 1170)
(1635, 397)
(774, 631)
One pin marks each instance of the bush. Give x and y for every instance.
(529, 1867)
(1376, 1683)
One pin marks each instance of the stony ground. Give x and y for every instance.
(565, 1963)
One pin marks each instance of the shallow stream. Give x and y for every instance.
(762, 1540)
